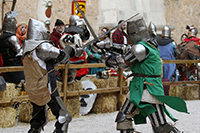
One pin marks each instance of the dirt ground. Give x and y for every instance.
(104, 123)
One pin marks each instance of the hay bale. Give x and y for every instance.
(59, 86)
(72, 103)
(7, 117)
(107, 102)
(24, 115)
(50, 115)
(9, 92)
(112, 81)
(187, 92)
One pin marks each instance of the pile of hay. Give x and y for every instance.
(24, 115)
(72, 103)
(105, 102)
(7, 117)
(187, 92)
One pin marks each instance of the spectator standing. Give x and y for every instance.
(192, 33)
(166, 47)
(119, 36)
(21, 32)
(57, 33)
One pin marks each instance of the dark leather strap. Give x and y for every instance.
(143, 75)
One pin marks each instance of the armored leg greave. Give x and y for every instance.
(125, 115)
(63, 117)
(159, 123)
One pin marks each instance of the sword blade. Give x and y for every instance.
(86, 21)
(92, 41)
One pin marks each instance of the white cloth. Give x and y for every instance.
(40, 62)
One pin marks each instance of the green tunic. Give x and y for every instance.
(152, 65)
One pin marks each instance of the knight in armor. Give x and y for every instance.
(154, 37)
(10, 48)
(78, 28)
(192, 33)
(167, 48)
(40, 58)
(146, 95)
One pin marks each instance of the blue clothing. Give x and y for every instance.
(96, 59)
(167, 53)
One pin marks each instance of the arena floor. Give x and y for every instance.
(104, 123)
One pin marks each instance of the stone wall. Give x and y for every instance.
(100, 13)
(181, 13)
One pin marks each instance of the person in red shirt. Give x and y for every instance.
(192, 33)
(57, 33)
(119, 36)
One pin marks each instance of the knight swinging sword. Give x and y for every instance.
(96, 39)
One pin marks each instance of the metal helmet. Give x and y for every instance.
(137, 30)
(192, 29)
(75, 21)
(37, 30)
(166, 32)
(9, 22)
(152, 29)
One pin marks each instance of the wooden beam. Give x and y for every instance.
(14, 99)
(64, 87)
(120, 84)
(87, 65)
(182, 82)
(181, 61)
(86, 92)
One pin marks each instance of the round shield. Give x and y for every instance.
(87, 101)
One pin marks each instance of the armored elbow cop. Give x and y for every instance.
(47, 51)
(137, 52)
(15, 42)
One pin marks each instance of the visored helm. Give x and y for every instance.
(152, 29)
(192, 29)
(37, 30)
(9, 22)
(166, 32)
(137, 30)
(75, 21)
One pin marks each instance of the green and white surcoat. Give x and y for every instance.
(152, 65)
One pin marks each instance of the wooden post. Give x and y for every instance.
(64, 86)
(120, 84)
(2, 16)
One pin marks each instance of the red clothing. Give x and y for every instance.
(55, 37)
(195, 39)
(1, 61)
(118, 37)
(82, 71)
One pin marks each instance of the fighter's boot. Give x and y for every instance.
(124, 117)
(159, 123)
(39, 119)
(129, 131)
(33, 130)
